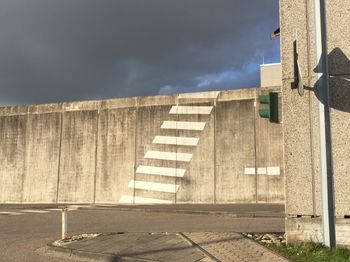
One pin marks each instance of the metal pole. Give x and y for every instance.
(328, 219)
(64, 223)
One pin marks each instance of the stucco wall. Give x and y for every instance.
(300, 113)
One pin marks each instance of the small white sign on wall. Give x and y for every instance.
(273, 171)
(262, 171)
(249, 171)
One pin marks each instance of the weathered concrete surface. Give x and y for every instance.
(12, 153)
(149, 121)
(90, 152)
(235, 151)
(43, 136)
(269, 142)
(198, 184)
(78, 157)
(115, 154)
(300, 113)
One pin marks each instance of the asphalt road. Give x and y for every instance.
(22, 231)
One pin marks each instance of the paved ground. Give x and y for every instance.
(135, 246)
(23, 230)
(164, 247)
(232, 247)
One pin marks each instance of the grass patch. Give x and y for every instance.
(311, 252)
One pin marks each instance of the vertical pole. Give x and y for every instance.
(328, 219)
(64, 223)
(256, 112)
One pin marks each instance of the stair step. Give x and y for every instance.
(142, 200)
(191, 110)
(183, 125)
(174, 140)
(175, 156)
(152, 186)
(161, 171)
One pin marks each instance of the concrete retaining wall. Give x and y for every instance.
(142, 150)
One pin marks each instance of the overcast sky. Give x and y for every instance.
(66, 50)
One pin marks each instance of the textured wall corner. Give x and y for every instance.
(300, 113)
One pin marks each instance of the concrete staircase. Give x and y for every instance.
(149, 171)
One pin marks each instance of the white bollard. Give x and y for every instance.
(64, 223)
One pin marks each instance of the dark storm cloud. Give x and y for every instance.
(63, 50)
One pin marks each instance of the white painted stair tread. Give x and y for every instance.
(175, 156)
(152, 186)
(174, 140)
(191, 110)
(183, 125)
(161, 171)
(125, 199)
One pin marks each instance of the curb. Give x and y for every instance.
(192, 212)
(75, 254)
(42, 206)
